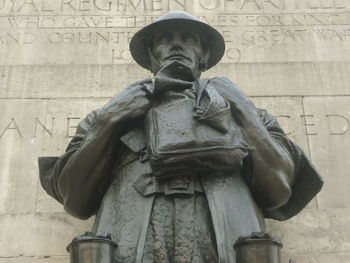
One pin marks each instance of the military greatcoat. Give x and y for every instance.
(185, 219)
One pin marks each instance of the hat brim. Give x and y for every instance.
(139, 43)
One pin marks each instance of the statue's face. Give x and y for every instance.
(177, 44)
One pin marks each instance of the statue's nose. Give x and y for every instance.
(177, 42)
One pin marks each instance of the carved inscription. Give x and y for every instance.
(254, 30)
(55, 6)
(38, 127)
(337, 125)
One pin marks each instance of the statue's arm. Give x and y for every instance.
(274, 161)
(83, 172)
(307, 182)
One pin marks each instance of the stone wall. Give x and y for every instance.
(60, 59)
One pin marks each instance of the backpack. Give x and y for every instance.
(191, 131)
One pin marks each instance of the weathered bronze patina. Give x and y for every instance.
(177, 168)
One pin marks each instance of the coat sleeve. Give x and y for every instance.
(307, 182)
(51, 167)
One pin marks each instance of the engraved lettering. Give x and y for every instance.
(227, 36)
(87, 37)
(54, 38)
(69, 21)
(13, 5)
(308, 124)
(19, 38)
(263, 20)
(67, 37)
(262, 36)
(337, 124)
(233, 54)
(296, 19)
(71, 126)
(12, 126)
(28, 3)
(277, 21)
(141, 3)
(317, 20)
(82, 5)
(47, 22)
(15, 39)
(177, 4)
(156, 5)
(99, 6)
(67, 3)
(209, 4)
(246, 3)
(45, 129)
(270, 2)
(44, 8)
(120, 55)
(14, 22)
(331, 34)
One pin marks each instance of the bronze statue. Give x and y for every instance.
(177, 168)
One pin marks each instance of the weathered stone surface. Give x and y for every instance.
(254, 31)
(39, 234)
(288, 111)
(329, 128)
(61, 59)
(256, 79)
(35, 260)
(18, 174)
(315, 231)
(65, 114)
(317, 258)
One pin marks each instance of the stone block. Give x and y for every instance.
(48, 259)
(65, 114)
(89, 33)
(287, 79)
(255, 79)
(19, 150)
(329, 140)
(38, 235)
(288, 111)
(68, 81)
(314, 231)
(317, 258)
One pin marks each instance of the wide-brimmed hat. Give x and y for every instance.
(139, 44)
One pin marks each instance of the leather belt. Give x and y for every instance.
(147, 184)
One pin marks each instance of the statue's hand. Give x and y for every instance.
(131, 103)
(241, 105)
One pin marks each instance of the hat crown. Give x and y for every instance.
(176, 15)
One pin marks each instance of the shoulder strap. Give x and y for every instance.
(200, 85)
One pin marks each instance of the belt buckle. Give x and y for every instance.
(179, 185)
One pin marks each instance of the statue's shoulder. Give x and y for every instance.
(221, 82)
(227, 89)
(88, 121)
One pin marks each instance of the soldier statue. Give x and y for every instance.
(176, 168)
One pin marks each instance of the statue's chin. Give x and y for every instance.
(179, 59)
